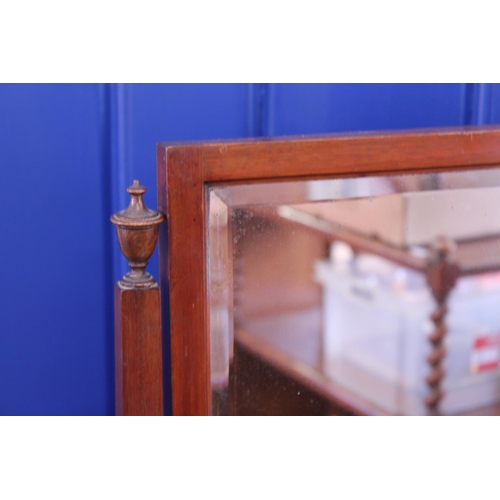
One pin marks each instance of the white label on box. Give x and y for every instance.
(485, 353)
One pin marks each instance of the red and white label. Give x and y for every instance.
(486, 353)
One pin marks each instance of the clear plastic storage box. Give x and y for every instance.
(376, 322)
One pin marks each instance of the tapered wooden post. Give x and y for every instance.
(138, 347)
(442, 275)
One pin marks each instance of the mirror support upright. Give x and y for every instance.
(138, 339)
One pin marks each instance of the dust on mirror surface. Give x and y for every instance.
(367, 295)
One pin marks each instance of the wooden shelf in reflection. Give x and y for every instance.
(291, 343)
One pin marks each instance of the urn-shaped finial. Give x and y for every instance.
(137, 229)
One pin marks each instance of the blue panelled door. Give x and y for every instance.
(67, 153)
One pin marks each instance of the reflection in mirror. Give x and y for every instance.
(374, 295)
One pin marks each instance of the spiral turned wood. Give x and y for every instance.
(442, 275)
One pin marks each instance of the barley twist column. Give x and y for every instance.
(442, 275)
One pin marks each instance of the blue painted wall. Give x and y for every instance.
(67, 153)
(55, 329)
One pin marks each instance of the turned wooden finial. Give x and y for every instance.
(137, 229)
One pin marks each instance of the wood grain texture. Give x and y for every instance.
(180, 174)
(354, 154)
(138, 350)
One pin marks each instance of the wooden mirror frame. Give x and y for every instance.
(186, 171)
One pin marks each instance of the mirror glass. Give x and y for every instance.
(356, 296)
